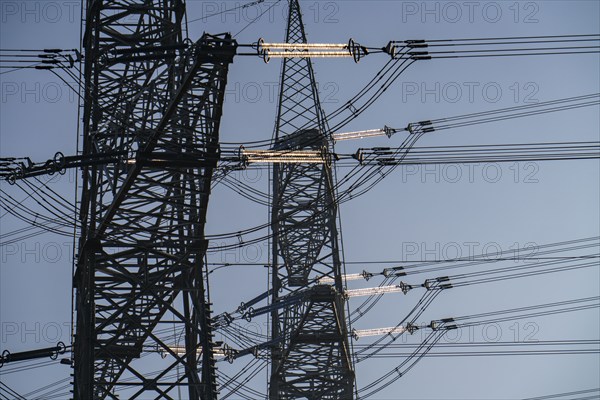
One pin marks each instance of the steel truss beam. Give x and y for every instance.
(150, 95)
(310, 357)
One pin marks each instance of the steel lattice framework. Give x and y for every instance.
(311, 356)
(155, 99)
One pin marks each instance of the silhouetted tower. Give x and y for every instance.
(153, 99)
(311, 357)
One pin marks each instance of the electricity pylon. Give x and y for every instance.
(153, 99)
(310, 357)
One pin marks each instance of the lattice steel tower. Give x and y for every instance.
(311, 356)
(153, 99)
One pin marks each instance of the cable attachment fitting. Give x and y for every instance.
(249, 314)
(405, 287)
(366, 275)
(262, 51)
(357, 50)
(391, 49)
(229, 353)
(411, 328)
(58, 163)
(227, 318)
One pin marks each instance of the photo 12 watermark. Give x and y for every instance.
(36, 92)
(268, 92)
(470, 12)
(519, 172)
(36, 252)
(494, 332)
(467, 250)
(250, 253)
(235, 12)
(469, 92)
(34, 332)
(46, 12)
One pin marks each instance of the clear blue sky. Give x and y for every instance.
(410, 215)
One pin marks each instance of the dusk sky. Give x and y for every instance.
(423, 212)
